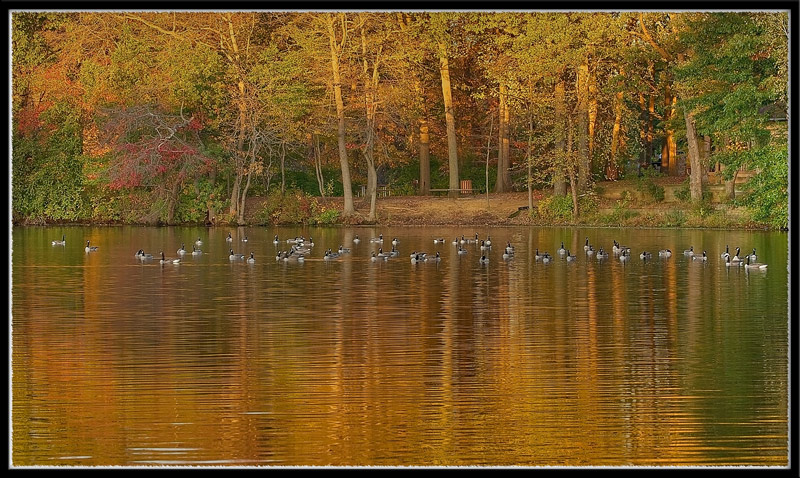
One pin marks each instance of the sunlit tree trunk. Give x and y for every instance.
(503, 181)
(612, 167)
(450, 119)
(335, 48)
(559, 181)
(669, 149)
(571, 167)
(592, 118)
(370, 91)
(582, 92)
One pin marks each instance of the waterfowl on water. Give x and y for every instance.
(590, 251)
(229, 238)
(753, 257)
(754, 265)
(664, 253)
(561, 251)
(461, 251)
(166, 261)
(689, 252)
(455, 241)
(244, 239)
(488, 240)
(601, 254)
(586, 246)
(275, 241)
(198, 242)
(329, 255)
(182, 250)
(546, 258)
(356, 240)
(343, 250)
(435, 258)
(235, 257)
(382, 254)
(645, 255)
(438, 241)
(196, 251)
(141, 255)
(89, 248)
(570, 257)
(251, 259)
(484, 247)
(725, 254)
(736, 260)
(507, 256)
(700, 258)
(378, 239)
(394, 252)
(395, 241)
(416, 258)
(484, 260)
(62, 242)
(625, 255)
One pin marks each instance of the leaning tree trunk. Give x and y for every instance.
(450, 119)
(612, 166)
(349, 208)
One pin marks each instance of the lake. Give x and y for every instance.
(350, 362)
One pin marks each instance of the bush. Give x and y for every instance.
(556, 208)
(646, 185)
(295, 207)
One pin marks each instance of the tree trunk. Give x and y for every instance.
(349, 208)
(559, 181)
(452, 144)
(503, 181)
(528, 160)
(592, 116)
(696, 178)
(424, 158)
(283, 169)
(582, 91)
(318, 164)
(573, 183)
(612, 166)
(669, 150)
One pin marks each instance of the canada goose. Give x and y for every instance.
(664, 253)
(586, 246)
(689, 252)
(378, 239)
(395, 241)
(244, 239)
(330, 255)
(182, 250)
(507, 256)
(235, 257)
(570, 257)
(725, 254)
(89, 248)
(484, 247)
(438, 241)
(561, 251)
(463, 240)
(461, 251)
(645, 255)
(142, 256)
(754, 265)
(275, 241)
(435, 258)
(736, 260)
(394, 252)
(590, 251)
(488, 241)
(356, 240)
(625, 255)
(251, 259)
(700, 258)
(196, 251)
(416, 258)
(198, 242)
(455, 241)
(229, 238)
(165, 260)
(383, 254)
(62, 242)
(601, 254)
(509, 248)
(546, 258)
(343, 250)
(484, 260)
(309, 242)
(753, 257)
(374, 258)
(615, 248)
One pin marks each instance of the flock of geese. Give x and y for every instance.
(299, 248)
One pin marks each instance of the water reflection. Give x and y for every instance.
(350, 362)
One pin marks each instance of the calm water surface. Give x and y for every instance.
(353, 362)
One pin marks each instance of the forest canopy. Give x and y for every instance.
(179, 117)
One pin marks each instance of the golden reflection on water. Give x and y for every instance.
(665, 362)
